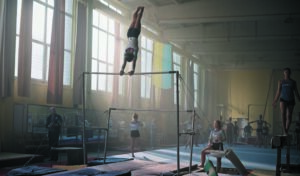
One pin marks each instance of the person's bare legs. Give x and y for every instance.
(203, 156)
(132, 146)
(139, 17)
(134, 18)
(289, 114)
(283, 117)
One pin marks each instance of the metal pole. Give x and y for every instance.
(192, 141)
(155, 110)
(177, 102)
(106, 137)
(141, 73)
(278, 163)
(83, 113)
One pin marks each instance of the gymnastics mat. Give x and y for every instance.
(231, 156)
(94, 172)
(33, 170)
(100, 161)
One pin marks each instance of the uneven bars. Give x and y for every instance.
(158, 110)
(141, 73)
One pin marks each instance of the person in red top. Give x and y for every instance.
(133, 33)
(286, 92)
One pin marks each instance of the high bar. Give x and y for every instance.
(141, 73)
(157, 110)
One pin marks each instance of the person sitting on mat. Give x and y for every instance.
(133, 33)
(215, 142)
(286, 92)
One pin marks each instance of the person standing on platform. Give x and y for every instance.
(259, 129)
(248, 132)
(134, 132)
(133, 33)
(286, 92)
(265, 134)
(229, 131)
(236, 130)
(53, 124)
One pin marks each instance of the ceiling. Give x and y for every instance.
(228, 34)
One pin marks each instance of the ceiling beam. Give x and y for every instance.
(216, 11)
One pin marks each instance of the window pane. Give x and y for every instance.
(37, 61)
(103, 22)
(195, 68)
(195, 81)
(50, 2)
(69, 6)
(17, 55)
(101, 82)
(143, 60)
(95, 43)
(110, 79)
(19, 16)
(47, 62)
(149, 62)
(111, 26)
(38, 22)
(94, 77)
(111, 49)
(94, 66)
(148, 86)
(95, 18)
(150, 45)
(68, 33)
(143, 42)
(49, 24)
(67, 68)
(103, 46)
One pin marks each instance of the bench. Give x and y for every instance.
(74, 154)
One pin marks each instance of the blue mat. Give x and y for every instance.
(95, 172)
(101, 161)
(33, 170)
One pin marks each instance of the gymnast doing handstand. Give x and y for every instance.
(133, 33)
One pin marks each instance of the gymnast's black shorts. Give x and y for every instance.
(135, 133)
(133, 32)
(217, 146)
(288, 103)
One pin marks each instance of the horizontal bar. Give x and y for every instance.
(157, 110)
(141, 73)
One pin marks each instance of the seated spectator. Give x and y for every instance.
(215, 142)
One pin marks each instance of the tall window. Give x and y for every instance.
(196, 82)
(176, 67)
(103, 51)
(41, 37)
(146, 66)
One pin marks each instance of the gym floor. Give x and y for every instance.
(260, 161)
